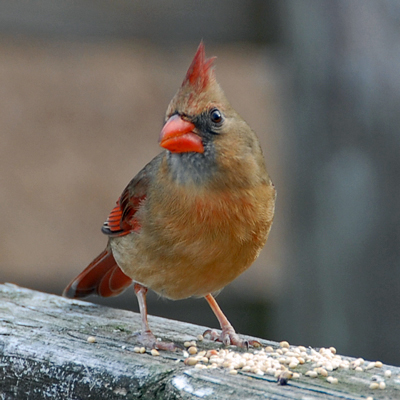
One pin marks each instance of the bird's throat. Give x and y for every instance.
(191, 168)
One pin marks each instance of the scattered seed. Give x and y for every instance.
(370, 365)
(374, 385)
(259, 372)
(322, 371)
(233, 372)
(211, 353)
(190, 361)
(329, 367)
(284, 376)
(136, 349)
(91, 339)
(312, 374)
(278, 362)
(154, 352)
(332, 380)
(142, 350)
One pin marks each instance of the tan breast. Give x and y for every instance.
(193, 243)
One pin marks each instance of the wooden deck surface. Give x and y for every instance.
(45, 354)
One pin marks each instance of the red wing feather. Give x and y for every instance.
(113, 222)
(102, 277)
(122, 219)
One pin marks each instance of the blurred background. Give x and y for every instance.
(83, 91)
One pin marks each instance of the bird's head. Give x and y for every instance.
(198, 110)
(201, 125)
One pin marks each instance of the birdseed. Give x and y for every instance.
(332, 380)
(191, 361)
(374, 385)
(388, 373)
(282, 362)
(154, 352)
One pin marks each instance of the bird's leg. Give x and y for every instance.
(228, 335)
(147, 337)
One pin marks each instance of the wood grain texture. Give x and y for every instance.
(44, 354)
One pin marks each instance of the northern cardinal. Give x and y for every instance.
(196, 216)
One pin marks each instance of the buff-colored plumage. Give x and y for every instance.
(197, 215)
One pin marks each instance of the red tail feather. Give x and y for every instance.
(102, 277)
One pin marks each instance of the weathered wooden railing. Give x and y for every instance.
(45, 354)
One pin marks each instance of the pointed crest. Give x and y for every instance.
(200, 71)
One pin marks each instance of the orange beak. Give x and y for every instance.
(177, 136)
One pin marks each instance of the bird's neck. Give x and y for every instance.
(191, 168)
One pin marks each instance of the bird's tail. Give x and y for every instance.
(102, 277)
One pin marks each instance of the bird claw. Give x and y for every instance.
(148, 340)
(229, 337)
(211, 334)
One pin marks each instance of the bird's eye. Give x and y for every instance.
(215, 116)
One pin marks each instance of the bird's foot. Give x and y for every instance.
(148, 340)
(229, 337)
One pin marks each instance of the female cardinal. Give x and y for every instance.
(196, 216)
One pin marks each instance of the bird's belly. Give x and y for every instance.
(195, 253)
(192, 269)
